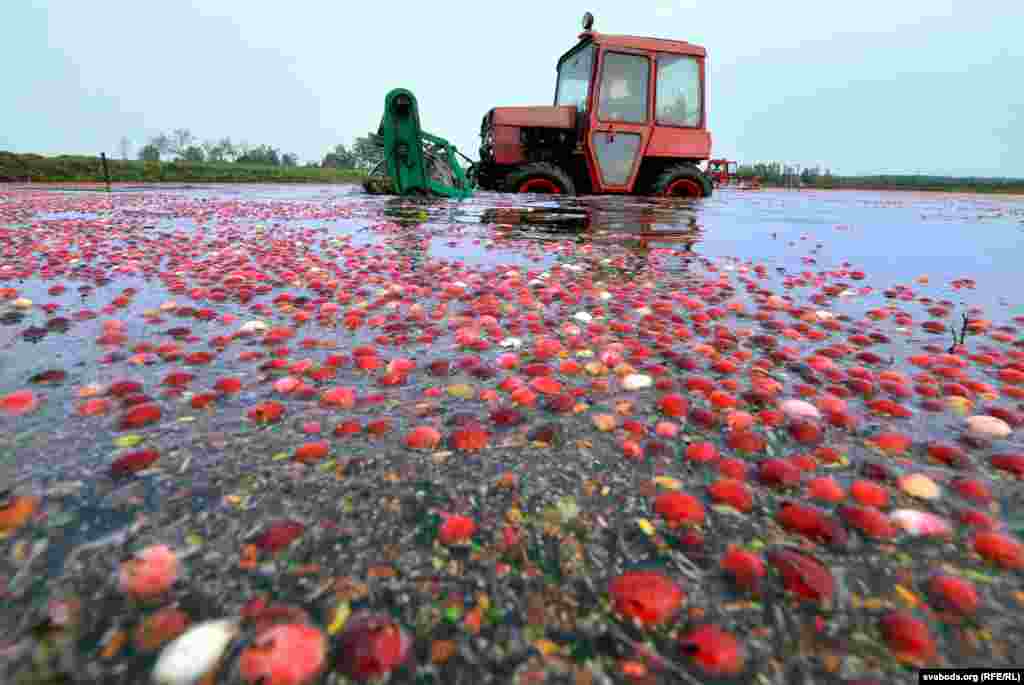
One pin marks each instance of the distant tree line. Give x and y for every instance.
(791, 175)
(182, 145)
(778, 173)
(363, 155)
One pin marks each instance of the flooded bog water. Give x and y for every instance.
(836, 374)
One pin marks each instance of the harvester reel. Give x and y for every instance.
(379, 183)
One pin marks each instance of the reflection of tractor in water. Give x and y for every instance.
(629, 117)
(637, 228)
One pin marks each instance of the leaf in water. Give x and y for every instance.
(646, 527)
(127, 440)
(462, 391)
(53, 376)
(551, 516)
(533, 633)
(339, 616)
(727, 510)
(978, 576)
(567, 508)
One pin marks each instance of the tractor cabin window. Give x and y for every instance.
(623, 93)
(574, 79)
(678, 91)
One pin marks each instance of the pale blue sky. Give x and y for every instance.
(899, 86)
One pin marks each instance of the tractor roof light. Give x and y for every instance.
(588, 21)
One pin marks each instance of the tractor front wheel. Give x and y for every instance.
(539, 177)
(682, 180)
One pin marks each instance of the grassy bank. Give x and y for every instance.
(932, 183)
(75, 168)
(947, 184)
(84, 169)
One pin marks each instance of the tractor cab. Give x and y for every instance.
(629, 116)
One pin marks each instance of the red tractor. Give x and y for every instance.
(722, 171)
(629, 117)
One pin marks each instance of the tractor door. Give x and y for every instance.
(620, 120)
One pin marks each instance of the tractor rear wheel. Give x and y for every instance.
(682, 180)
(539, 177)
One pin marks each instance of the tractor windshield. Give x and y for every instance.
(574, 78)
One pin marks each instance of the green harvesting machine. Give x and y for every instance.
(415, 162)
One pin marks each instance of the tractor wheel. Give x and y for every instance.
(682, 180)
(539, 177)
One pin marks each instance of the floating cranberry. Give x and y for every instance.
(646, 596)
(908, 638)
(372, 646)
(423, 437)
(746, 568)
(803, 576)
(287, 654)
(456, 530)
(715, 651)
(149, 573)
(679, 508)
(954, 594)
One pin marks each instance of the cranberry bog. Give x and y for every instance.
(304, 435)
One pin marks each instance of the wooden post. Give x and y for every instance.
(106, 171)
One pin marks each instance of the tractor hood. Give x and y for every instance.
(534, 117)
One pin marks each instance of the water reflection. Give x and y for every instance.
(637, 228)
(411, 213)
(640, 225)
(423, 229)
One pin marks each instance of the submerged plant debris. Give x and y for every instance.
(292, 436)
